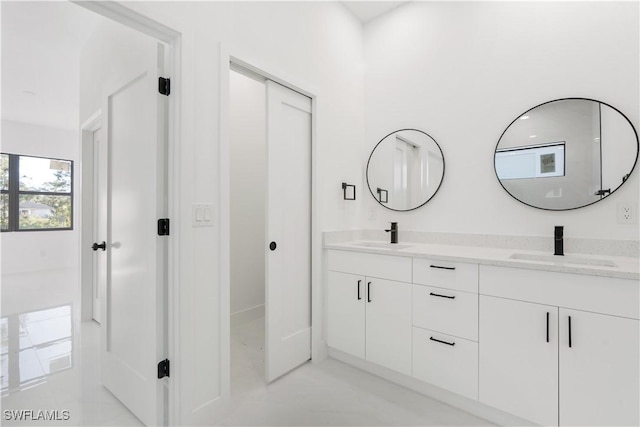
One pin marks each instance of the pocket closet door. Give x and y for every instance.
(288, 218)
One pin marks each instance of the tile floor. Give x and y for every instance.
(51, 361)
(329, 393)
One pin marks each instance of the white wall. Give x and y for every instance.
(40, 250)
(248, 175)
(462, 71)
(317, 44)
(103, 59)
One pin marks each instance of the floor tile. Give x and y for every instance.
(50, 360)
(329, 393)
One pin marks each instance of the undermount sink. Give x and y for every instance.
(566, 259)
(382, 245)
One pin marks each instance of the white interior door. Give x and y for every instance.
(132, 303)
(100, 154)
(288, 266)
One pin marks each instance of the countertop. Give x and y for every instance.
(595, 265)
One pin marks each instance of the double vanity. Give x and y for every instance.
(546, 339)
(514, 336)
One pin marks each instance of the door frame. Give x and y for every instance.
(172, 39)
(86, 213)
(227, 58)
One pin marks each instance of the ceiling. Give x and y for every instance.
(41, 43)
(366, 11)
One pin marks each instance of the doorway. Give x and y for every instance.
(126, 174)
(70, 354)
(270, 223)
(93, 221)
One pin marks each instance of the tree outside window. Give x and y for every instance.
(36, 193)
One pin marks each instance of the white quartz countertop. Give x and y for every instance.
(595, 265)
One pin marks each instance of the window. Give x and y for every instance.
(37, 193)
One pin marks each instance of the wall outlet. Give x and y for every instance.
(626, 213)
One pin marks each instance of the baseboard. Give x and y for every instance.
(247, 315)
(468, 405)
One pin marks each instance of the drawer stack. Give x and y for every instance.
(445, 325)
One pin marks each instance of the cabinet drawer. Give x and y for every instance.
(446, 274)
(444, 310)
(618, 297)
(372, 265)
(452, 367)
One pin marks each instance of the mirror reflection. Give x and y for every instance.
(566, 154)
(405, 170)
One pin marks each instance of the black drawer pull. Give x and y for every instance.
(442, 296)
(569, 331)
(359, 297)
(368, 291)
(443, 342)
(441, 267)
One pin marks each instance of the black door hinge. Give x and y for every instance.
(164, 86)
(163, 368)
(163, 227)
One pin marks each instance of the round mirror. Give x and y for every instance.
(405, 170)
(566, 154)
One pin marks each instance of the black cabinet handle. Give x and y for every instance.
(547, 326)
(102, 246)
(273, 246)
(441, 267)
(442, 296)
(443, 342)
(359, 297)
(368, 291)
(569, 331)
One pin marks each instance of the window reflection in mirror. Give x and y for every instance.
(405, 170)
(566, 154)
(530, 162)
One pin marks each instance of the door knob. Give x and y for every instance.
(102, 246)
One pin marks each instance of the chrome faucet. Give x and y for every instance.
(394, 232)
(558, 240)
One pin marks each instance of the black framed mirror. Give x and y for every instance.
(566, 154)
(405, 170)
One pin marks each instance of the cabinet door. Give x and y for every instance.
(346, 295)
(518, 352)
(599, 372)
(389, 326)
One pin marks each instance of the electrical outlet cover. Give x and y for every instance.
(625, 213)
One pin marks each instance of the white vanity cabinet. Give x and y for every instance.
(445, 320)
(518, 364)
(346, 312)
(536, 365)
(369, 315)
(599, 371)
(553, 348)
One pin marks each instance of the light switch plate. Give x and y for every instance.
(202, 215)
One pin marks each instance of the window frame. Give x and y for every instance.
(14, 194)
